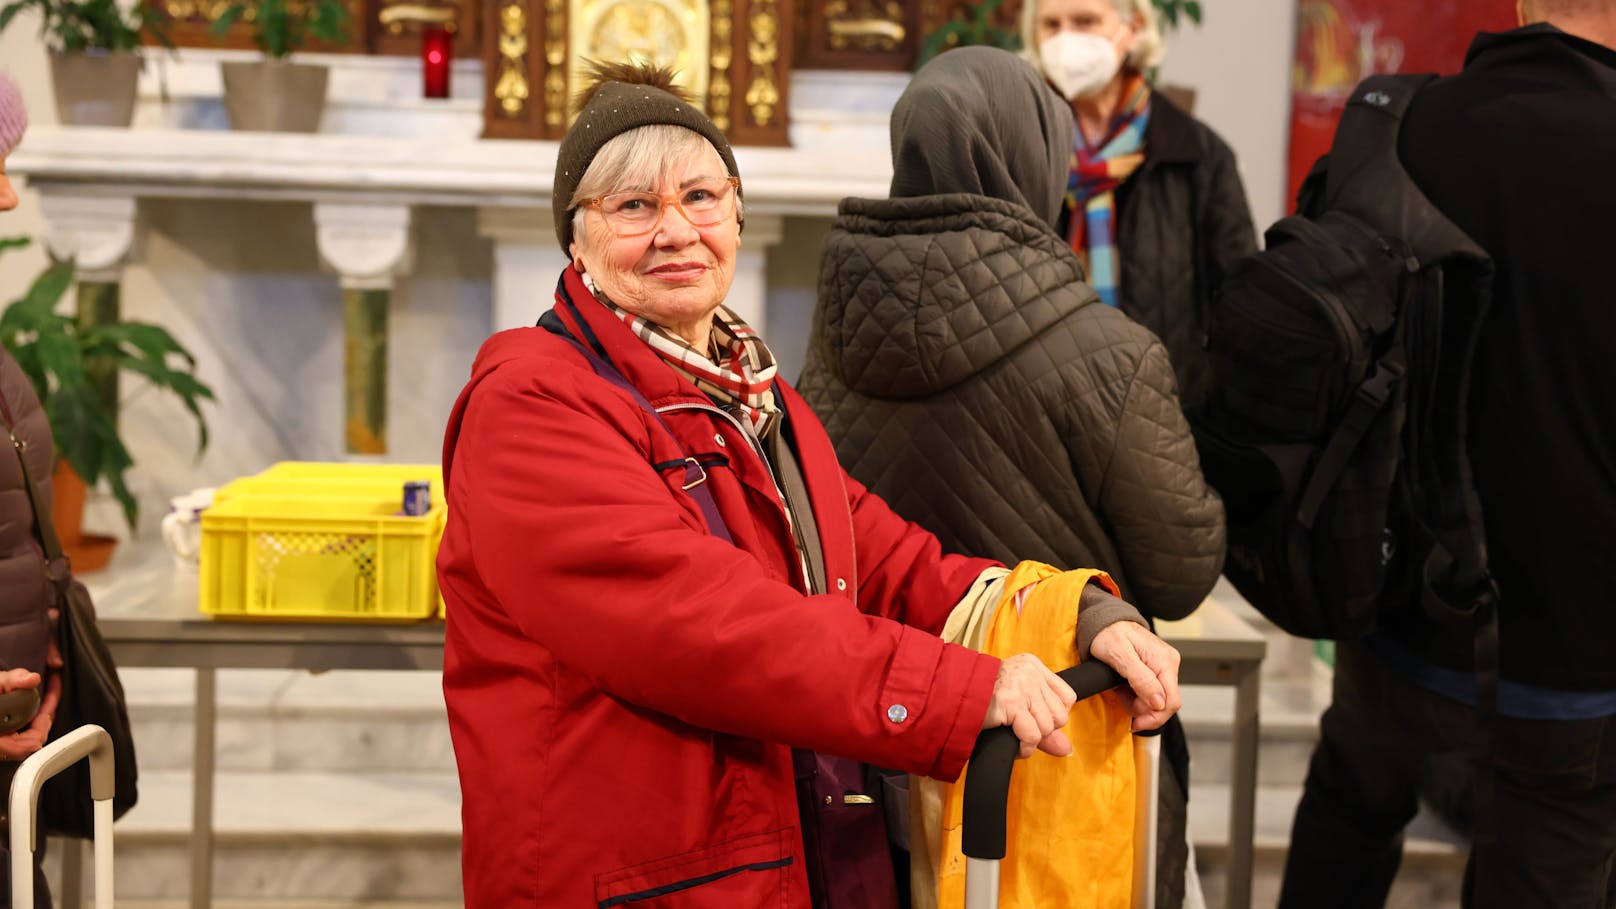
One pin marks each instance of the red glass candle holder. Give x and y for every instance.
(437, 50)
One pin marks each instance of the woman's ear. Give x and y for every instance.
(577, 258)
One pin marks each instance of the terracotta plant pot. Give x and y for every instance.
(274, 95)
(95, 88)
(87, 552)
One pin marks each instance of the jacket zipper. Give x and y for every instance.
(793, 525)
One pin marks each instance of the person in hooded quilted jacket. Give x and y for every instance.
(26, 595)
(970, 377)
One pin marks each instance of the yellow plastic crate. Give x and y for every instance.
(316, 556)
(316, 478)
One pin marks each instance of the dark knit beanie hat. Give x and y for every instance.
(619, 97)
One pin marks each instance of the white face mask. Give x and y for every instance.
(1078, 63)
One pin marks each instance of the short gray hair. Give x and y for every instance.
(1148, 47)
(637, 160)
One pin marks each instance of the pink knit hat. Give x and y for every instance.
(13, 116)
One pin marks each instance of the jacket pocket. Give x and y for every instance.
(747, 871)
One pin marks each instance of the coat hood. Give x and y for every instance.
(981, 120)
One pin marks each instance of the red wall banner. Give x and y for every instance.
(1339, 42)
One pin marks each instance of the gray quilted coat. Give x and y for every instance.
(25, 593)
(971, 379)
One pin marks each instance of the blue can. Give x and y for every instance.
(417, 497)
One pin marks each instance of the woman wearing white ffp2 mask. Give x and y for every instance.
(1080, 64)
(1155, 207)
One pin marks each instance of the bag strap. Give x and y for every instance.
(695, 475)
(1367, 403)
(57, 567)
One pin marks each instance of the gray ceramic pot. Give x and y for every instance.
(274, 95)
(95, 88)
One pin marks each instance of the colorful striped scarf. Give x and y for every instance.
(1090, 190)
(743, 377)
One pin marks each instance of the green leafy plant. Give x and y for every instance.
(979, 27)
(60, 357)
(1172, 11)
(89, 25)
(281, 27)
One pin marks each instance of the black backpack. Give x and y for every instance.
(1341, 359)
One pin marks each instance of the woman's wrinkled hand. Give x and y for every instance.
(30, 738)
(1150, 666)
(1034, 702)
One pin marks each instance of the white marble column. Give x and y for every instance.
(527, 261)
(749, 293)
(369, 247)
(95, 231)
(98, 232)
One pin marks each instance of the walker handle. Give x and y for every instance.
(987, 777)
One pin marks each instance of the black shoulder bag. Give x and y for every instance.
(91, 691)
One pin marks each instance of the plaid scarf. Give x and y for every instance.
(742, 375)
(1090, 190)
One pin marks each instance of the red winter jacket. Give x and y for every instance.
(623, 687)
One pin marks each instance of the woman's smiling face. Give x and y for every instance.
(677, 274)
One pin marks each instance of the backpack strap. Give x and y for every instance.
(695, 475)
(1367, 403)
(1456, 585)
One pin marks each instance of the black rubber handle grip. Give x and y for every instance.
(987, 776)
(17, 709)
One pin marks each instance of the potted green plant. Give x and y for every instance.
(274, 93)
(980, 26)
(92, 44)
(60, 356)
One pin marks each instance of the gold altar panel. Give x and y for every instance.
(763, 36)
(877, 34)
(514, 61)
(733, 55)
(193, 22)
(673, 33)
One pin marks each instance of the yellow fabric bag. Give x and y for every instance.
(1070, 820)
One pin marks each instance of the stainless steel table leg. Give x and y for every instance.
(1243, 788)
(202, 792)
(72, 873)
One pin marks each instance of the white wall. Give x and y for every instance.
(1239, 61)
(22, 57)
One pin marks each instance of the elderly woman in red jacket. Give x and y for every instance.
(665, 596)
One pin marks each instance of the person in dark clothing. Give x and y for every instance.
(1516, 150)
(968, 375)
(1154, 205)
(27, 657)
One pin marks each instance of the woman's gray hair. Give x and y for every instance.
(1148, 47)
(637, 161)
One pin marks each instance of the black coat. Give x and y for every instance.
(1517, 150)
(1183, 220)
